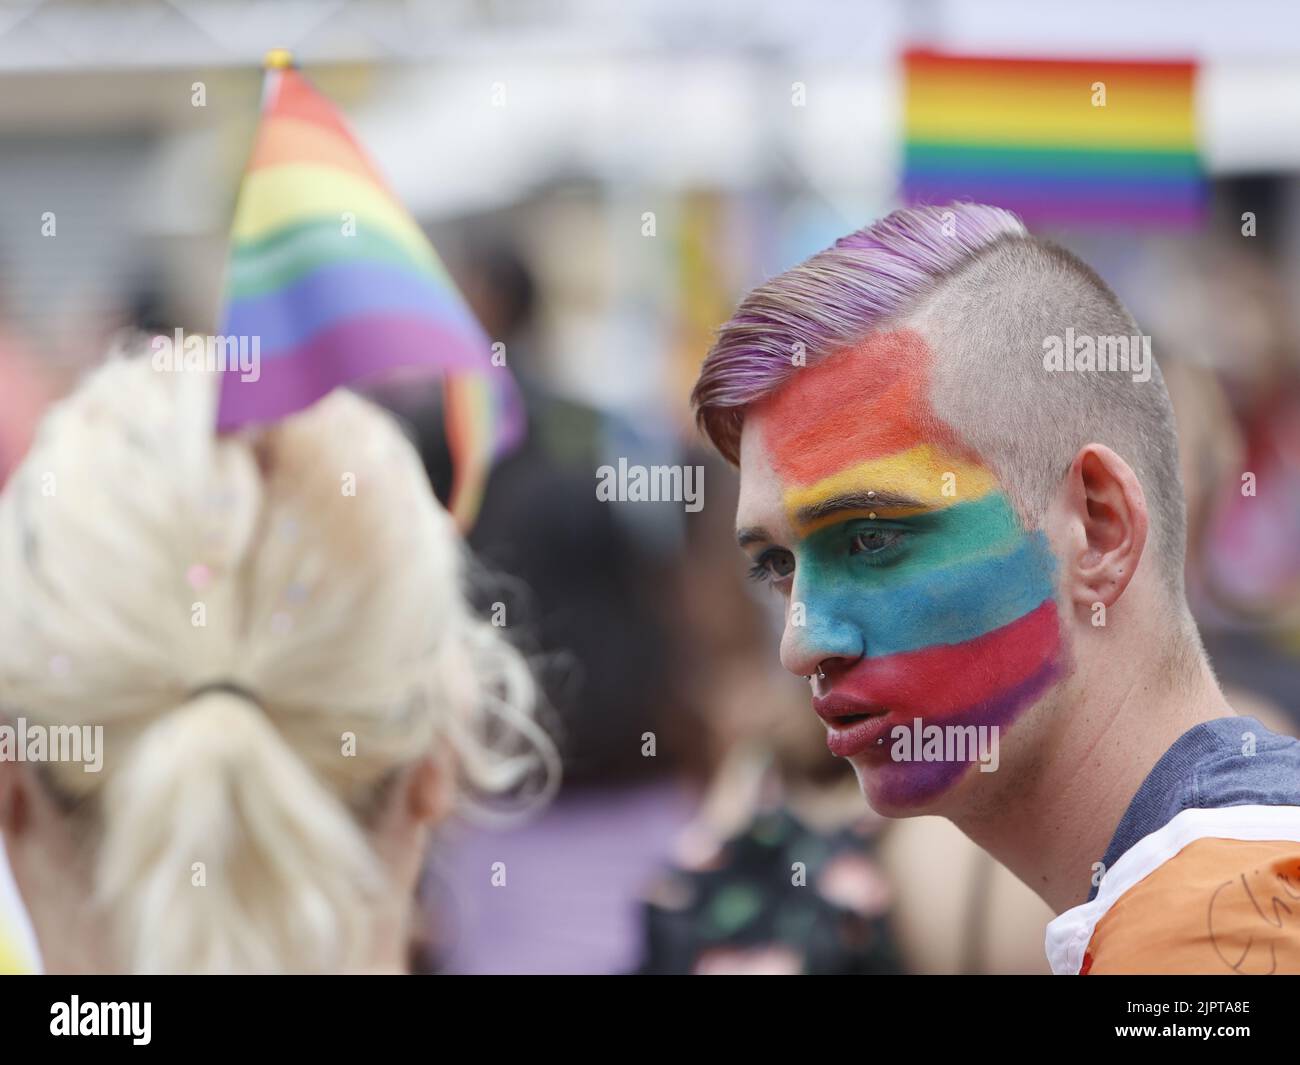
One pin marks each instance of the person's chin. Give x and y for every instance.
(911, 789)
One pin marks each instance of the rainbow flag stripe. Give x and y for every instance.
(1025, 134)
(337, 284)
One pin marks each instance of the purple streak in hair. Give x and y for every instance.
(835, 298)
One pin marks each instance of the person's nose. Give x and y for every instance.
(819, 639)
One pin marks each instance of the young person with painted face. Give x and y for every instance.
(980, 552)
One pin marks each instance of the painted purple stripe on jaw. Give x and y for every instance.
(915, 783)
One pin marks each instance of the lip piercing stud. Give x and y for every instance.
(820, 674)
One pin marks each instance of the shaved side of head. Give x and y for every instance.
(990, 323)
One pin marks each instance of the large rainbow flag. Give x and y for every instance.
(1038, 137)
(337, 283)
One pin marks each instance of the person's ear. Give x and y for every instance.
(430, 790)
(1106, 519)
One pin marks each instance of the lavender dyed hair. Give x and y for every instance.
(835, 298)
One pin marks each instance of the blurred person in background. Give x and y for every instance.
(1231, 311)
(1212, 452)
(591, 601)
(1231, 362)
(776, 870)
(291, 687)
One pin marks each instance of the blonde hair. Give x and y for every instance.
(143, 559)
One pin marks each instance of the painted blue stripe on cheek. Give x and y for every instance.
(850, 604)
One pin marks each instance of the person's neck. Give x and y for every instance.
(390, 948)
(1055, 823)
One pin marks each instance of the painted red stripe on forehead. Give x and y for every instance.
(860, 403)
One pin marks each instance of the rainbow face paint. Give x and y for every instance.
(907, 567)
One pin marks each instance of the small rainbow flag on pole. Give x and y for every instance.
(337, 283)
(1059, 141)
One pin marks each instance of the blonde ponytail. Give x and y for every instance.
(223, 853)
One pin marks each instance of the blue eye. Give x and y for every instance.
(776, 564)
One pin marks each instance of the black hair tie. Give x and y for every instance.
(230, 688)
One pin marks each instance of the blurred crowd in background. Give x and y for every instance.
(604, 190)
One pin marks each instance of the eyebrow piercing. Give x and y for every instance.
(871, 514)
(871, 495)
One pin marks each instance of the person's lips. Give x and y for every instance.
(853, 726)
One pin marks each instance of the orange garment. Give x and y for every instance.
(1212, 891)
(1218, 906)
